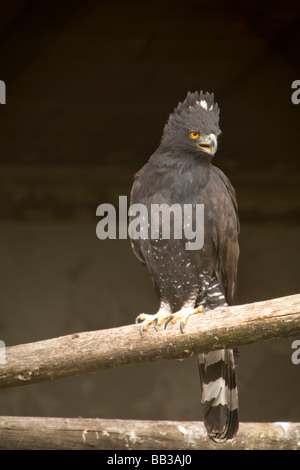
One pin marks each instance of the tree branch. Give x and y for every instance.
(87, 352)
(28, 433)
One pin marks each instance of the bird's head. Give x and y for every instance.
(194, 125)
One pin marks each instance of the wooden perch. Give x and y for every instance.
(86, 352)
(27, 433)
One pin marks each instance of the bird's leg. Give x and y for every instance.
(157, 319)
(183, 314)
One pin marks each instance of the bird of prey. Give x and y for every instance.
(190, 281)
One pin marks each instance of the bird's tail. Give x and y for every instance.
(219, 393)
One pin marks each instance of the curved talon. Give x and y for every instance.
(164, 316)
(148, 320)
(168, 321)
(141, 329)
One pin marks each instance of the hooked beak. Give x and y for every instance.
(208, 143)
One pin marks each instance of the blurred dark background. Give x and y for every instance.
(90, 86)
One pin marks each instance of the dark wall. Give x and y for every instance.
(90, 86)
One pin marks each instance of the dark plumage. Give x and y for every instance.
(181, 172)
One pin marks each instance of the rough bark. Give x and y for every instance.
(27, 433)
(87, 352)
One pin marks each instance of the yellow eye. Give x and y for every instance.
(194, 135)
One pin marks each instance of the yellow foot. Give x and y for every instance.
(182, 315)
(156, 319)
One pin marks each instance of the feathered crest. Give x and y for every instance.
(197, 112)
(204, 100)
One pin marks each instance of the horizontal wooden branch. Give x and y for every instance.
(91, 351)
(28, 433)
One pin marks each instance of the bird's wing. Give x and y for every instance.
(227, 246)
(136, 244)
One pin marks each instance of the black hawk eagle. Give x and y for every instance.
(190, 281)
